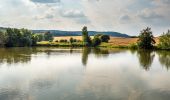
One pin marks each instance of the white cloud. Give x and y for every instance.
(127, 16)
(45, 1)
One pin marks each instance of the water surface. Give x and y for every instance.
(83, 74)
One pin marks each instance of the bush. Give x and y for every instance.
(164, 41)
(74, 40)
(71, 40)
(133, 46)
(96, 42)
(105, 38)
(61, 40)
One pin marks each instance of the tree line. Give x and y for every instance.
(13, 37)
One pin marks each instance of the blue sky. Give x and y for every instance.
(126, 16)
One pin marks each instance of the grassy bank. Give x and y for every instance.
(59, 44)
(80, 44)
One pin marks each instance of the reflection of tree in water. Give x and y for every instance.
(145, 58)
(96, 51)
(85, 52)
(101, 52)
(15, 55)
(164, 58)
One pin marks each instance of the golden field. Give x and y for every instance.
(115, 41)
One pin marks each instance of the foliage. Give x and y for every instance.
(62, 40)
(146, 39)
(48, 36)
(164, 41)
(2, 38)
(85, 37)
(71, 40)
(105, 38)
(40, 37)
(19, 37)
(96, 42)
(133, 46)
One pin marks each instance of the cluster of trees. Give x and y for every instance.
(13, 37)
(47, 36)
(146, 40)
(165, 41)
(97, 40)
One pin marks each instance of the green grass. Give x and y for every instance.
(60, 44)
(80, 44)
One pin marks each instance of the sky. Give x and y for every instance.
(125, 16)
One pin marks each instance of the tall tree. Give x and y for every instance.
(85, 37)
(146, 39)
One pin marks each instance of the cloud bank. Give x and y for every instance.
(128, 16)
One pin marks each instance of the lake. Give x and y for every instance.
(84, 74)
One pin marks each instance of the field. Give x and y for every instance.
(114, 41)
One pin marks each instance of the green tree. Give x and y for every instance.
(146, 39)
(164, 41)
(85, 37)
(40, 37)
(71, 40)
(19, 37)
(105, 38)
(2, 38)
(96, 41)
(48, 36)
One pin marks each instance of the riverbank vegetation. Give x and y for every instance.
(13, 37)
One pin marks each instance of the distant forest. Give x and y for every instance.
(79, 33)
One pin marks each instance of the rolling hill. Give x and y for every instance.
(75, 33)
(79, 33)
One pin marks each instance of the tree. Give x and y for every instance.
(48, 36)
(19, 38)
(146, 39)
(164, 41)
(85, 37)
(40, 37)
(2, 38)
(71, 40)
(96, 41)
(105, 38)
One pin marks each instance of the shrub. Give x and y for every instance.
(133, 46)
(71, 40)
(164, 41)
(105, 38)
(96, 41)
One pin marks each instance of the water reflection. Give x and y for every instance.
(85, 53)
(145, 58)
(98, 52)
(15, 55)
(164, 58)
(58, 74)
